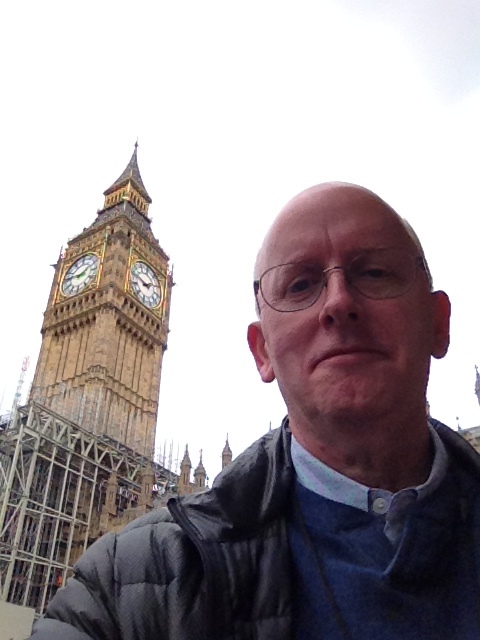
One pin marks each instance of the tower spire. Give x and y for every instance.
(200, 474)
(185, 468)
(129, 186)
(226, 454)
(186, 458)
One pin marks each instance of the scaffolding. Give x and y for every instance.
(61, 488)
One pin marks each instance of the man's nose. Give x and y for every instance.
(339, 300)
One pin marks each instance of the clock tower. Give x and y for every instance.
(105, 327)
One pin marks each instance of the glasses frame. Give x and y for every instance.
(420, 262)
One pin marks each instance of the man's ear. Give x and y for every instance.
(441, 327)
(256, 342)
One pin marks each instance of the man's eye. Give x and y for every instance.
(301, 285)
(374, 273)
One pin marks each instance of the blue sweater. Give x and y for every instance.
(421, 590)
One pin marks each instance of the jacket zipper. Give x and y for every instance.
(206, 558)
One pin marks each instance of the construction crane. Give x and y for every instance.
(18, 394)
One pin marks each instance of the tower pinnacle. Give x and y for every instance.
(185, 468)
(129, 186)
(200, 474)
(226, 454)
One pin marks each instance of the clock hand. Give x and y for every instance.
(79, 275)
(146, 284)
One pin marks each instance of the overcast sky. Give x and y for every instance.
(237, 107)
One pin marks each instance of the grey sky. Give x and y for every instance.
(443, 37)
(238, 106)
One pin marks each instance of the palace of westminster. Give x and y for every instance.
(77, 460)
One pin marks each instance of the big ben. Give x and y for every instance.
(105, 327)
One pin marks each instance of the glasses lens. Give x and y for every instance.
(383, 274)
(291, 287)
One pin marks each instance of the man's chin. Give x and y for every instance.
(352, 408)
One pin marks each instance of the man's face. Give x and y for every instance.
(347, 357)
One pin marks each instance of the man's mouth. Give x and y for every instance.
(347, 354)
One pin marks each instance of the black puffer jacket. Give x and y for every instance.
(215, 566)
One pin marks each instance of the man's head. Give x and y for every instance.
(351, 354)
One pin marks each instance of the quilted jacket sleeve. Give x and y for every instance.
(85, 608)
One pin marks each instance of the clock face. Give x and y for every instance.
(145, 285)
(81, 273)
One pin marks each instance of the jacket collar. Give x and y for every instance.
(255, 489)
(458, 447)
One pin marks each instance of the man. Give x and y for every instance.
(357, 518)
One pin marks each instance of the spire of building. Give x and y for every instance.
(129, 186)
(477, 384)
(186, 459)
(200, 466)
(226, 454)
(226, 448)
(130, 173)
(200, 474)
(185, 468)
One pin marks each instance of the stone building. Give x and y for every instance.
(105, 328)
(77, 460)
(185, 485)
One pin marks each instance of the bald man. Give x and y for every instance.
(359, 517)
(350, 335)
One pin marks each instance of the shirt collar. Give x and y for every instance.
(328, 483)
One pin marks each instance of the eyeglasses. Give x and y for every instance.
(378, 274)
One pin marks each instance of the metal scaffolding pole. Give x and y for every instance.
(21, 514)
(7, 474)
(51, 499)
